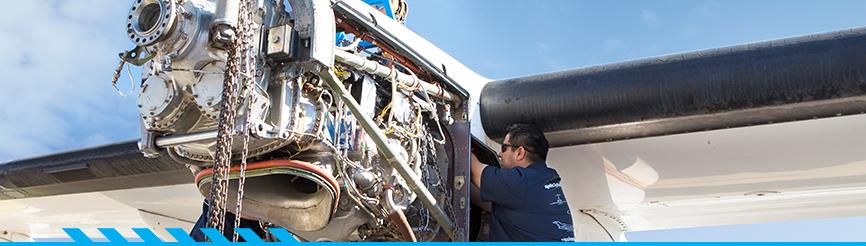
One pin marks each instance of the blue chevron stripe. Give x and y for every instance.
(180, 235)
(214, 235)
(283, 235)
(77, 235)
(146, 235)
(112, 235)
(249, 235)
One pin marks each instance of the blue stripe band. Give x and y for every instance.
(283, 235)
(180, 235)
(77, 235)
(214, 235)
(112, 235)
(146, 235)
(249, 235)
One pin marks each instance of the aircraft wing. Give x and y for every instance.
(110, 167)
(105, 186)
(656, 177)
(652, 177)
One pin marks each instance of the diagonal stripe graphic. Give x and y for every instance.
(214, 235)
(283, 235)
(77, 235)
(146, 235)
(249, 235)
(112, 235)
(180, 235)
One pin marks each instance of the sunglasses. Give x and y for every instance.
(504, 147)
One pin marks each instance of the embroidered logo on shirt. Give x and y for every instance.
(552, 185)
(563, 226)
(559, 200)
(567, 239)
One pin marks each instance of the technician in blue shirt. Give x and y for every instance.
(526, 195)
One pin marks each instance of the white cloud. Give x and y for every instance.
(57, 61)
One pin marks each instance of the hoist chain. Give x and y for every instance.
(249, 67)
(239, 65)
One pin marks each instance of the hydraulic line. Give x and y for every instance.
(406, 172)
(408, 81)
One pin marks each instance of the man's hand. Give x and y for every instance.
(477, 169)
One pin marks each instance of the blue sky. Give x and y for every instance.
(57, 58)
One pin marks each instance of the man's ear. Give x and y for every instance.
(520, 153)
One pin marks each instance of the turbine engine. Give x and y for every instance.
(346, 138)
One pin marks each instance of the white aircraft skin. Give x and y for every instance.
(790, 171)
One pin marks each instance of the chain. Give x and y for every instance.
(245, 24)
(238, 60)
(432, 177)
(444, 189)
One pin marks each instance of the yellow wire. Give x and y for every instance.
(384, 110)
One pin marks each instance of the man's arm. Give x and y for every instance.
(477, 169)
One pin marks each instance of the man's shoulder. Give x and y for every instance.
(542, 169)
(536, 173)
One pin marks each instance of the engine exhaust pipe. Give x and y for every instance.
(293, 194)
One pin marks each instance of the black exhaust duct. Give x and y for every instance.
(800, 78)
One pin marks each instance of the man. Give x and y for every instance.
(526, 196)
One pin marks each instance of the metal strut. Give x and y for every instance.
(390, 155)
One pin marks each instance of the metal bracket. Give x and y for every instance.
(133, 56)
(459, 181)
(147, 143)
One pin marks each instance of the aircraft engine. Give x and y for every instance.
(346, 140)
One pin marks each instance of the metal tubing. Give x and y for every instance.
(800, 78)
(227, 12)
(390, 155)
(172, 140)
(403, 48)
(408, 81)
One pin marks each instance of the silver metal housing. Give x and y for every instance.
(150, 20)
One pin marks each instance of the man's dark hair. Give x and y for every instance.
(531, 138)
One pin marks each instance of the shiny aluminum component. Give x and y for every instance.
(183, 92)
(280, 42)
(278, 100)
(160, 103)
(179, 39)
(150, 20)
(185, 138)
(407, 81)
(207, 91)
(367, 181)
(222, 31)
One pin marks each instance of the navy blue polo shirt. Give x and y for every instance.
(528, 204)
